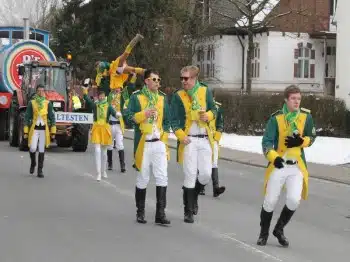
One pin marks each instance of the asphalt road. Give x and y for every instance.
(69, 216)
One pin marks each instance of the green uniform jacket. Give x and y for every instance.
(31, 116)
(134, 113)
(93, 108)
(179, 122)
(217, 124)
(274, 138)
(28, 117)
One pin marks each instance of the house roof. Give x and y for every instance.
(323, 35)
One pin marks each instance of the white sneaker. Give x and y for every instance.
(98, 177)
(104, 175)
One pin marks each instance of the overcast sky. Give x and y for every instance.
(12, 12)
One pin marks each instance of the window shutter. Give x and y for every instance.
(296, 73)
(313, 54)
(296, 53)
(312, 71)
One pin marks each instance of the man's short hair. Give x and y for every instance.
(100, 92)
(292, 89)
(40, 86)
(148, 73)
(192, 69)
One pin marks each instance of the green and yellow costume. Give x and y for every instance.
(140, 101)
(281, 124)
(185, 107)
(40, 106)
(101, 131)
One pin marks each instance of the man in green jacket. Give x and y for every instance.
(39, 128)
(192, 109)
(148, 109)
(288, 131)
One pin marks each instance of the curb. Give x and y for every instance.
(248, 163)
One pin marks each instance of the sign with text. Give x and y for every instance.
(76, 118)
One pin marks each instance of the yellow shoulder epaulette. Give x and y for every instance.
(217, 103)
(136, 91)
(305, 110)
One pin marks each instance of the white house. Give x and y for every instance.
(281, 58)
(342, 20)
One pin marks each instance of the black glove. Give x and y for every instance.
(293, 141)
(278, 163)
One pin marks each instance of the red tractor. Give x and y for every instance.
(53, 75)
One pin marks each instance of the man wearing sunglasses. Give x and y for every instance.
(149, 111)
(192, 109)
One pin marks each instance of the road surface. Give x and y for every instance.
(68, 216)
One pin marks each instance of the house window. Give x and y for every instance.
(212, 70)
(332, 7)
(200, 54)
(304, 65)
(256, 61)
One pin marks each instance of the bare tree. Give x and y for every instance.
(12, 12)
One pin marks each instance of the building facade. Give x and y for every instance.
(294, 50)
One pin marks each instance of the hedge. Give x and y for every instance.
(247, 114)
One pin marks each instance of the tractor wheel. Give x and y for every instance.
(80, 137)
(3, 125)
(13, 118)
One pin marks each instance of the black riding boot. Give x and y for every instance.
(265, 221)
(202, 192)
(283, 220)
(188, 200)
(32, 162)
(217, 190)
(41, 164)
(122, 160)
(161, 205)
(140, 198)
(110, 159)
(199, 187)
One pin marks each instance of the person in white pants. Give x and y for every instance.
(118, 99)
(287, 133)
(148, 109)
(117, 129)
(192, 109)
(39, 122)
(216, 126)
(101, 135)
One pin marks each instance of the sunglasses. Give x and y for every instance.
(184, 78)
(154, 79)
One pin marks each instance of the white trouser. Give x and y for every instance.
(154, 159)
(117, 135)
(197, 156)
(38, 138)
(216, 154)
(98, 150)
(290, 176)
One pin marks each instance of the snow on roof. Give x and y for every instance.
(266, 10)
